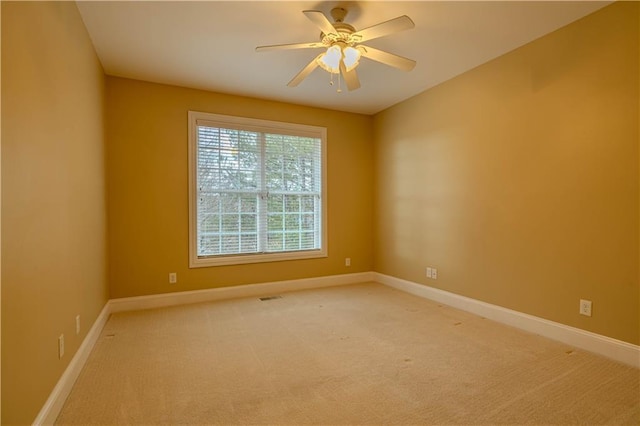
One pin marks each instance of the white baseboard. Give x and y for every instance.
(617, 350)
(221, 293)
(58, 396)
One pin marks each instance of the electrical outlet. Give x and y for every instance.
(585, 307)
(347, 261)
(434, 273)
(61, 346)
(173, 278)
(429, 272)
(78, 324)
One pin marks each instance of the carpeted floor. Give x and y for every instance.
(358, 354)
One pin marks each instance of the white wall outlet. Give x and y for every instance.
(61, 346)
(78, 324)
(347, 261)
(585, 307)
(173, 278)
(434, 273)
(429, 272)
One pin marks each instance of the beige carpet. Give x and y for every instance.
(358, 354)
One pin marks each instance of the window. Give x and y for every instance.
(256, 190)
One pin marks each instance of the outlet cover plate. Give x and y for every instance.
(61, 346)
(585, 307)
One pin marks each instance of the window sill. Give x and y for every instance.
(203, 262)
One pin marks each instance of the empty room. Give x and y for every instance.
(294, 212)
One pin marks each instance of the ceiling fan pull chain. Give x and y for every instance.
(339, 85)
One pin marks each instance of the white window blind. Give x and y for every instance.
(256, 190)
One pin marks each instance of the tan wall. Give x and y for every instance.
(519, 179)
(148, 189)
(0, 220)
(53, 198)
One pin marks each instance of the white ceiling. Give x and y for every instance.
(210, 44)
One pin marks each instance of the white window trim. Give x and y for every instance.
(298, 129)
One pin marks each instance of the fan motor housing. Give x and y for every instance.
(344, 32)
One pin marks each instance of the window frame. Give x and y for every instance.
(217, 120)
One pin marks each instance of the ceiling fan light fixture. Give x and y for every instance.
(343, 48)
(330, 61)
(351, 57)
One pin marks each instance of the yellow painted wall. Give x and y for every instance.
(519, 179)
(53, 197)
(0, 218)
(148, 189)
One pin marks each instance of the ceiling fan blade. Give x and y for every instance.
(304, 73)
(391, 26)
(312, 45)
(387, 58)
(321, 21)
(350, 78)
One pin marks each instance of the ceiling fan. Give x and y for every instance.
(343, 48)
